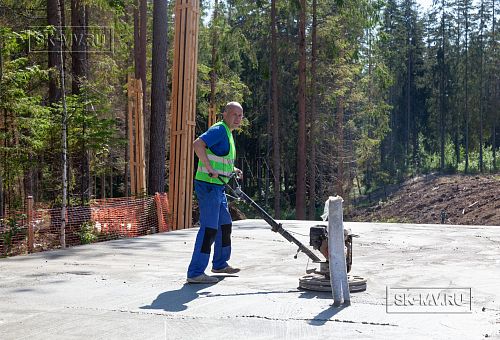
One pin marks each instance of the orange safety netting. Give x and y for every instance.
(102, 220)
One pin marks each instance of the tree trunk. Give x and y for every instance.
(28, 176)
(408, 98)
(300, 207)
(157, 132)
(275, 113)
(213, 73)
(143, 47)
(340, 150)
(1, 197)
(441, 57)
(457, 116)
(64, 126)
(79, 45)
(481, 99)
(312, 137)
(103, 185)
(111, 179)
(53, 57)
(140, 43)
(2, 156)
(137, 44)
(130, 47)
(126, 169)
(55, 93)
(466, 113)
(495, 93)
(143, 19)
(79, 67)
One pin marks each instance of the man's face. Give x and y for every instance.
(233, 117)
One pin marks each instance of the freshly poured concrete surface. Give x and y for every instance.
(134, 288)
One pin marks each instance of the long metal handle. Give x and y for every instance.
(275, 226)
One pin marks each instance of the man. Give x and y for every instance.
(216, 152)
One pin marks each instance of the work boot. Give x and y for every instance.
(203, 278)
(226, 270)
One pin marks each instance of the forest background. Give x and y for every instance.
(340, 97)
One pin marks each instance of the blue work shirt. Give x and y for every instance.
(216, 140)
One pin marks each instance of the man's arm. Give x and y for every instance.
(200, 148)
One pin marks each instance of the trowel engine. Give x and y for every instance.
(318, 239)
(319, 278)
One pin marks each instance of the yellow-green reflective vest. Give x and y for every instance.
(223, 164)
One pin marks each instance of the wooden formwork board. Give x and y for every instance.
(192, 121)
(136, 137)
(183, 113)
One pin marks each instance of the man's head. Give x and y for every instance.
(233, 115)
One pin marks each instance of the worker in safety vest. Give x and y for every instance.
(216, 153)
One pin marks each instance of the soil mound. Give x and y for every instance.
(447, 199)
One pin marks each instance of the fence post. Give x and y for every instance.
(29, 214)
(338, 269)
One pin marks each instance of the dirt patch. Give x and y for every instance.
(449, 199)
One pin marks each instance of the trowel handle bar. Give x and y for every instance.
(275, 226)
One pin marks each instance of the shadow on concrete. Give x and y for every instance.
(326, 315)
(253, 293)
(176, 300)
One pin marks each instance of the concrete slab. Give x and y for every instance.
(134, 288)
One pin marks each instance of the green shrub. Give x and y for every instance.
(11, 229)
(87, 233)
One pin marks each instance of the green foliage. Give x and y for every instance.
(384, 60)
(11, 228)
(431, 160)
(87, 233)
(233, 50)
(26, 120)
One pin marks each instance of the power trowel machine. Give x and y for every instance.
(315, 279)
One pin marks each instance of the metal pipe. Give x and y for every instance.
(275, 226)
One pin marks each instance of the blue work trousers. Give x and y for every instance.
(215, 226)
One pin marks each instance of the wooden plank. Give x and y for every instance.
(193, 116)
(183, 113)
(191, 121)
(180, 114)
(187, 71)
(173, 122)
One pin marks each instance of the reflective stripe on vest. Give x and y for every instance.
(224, 165)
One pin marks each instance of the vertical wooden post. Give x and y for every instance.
(183, 112)
(136, 137)
(31, 234)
